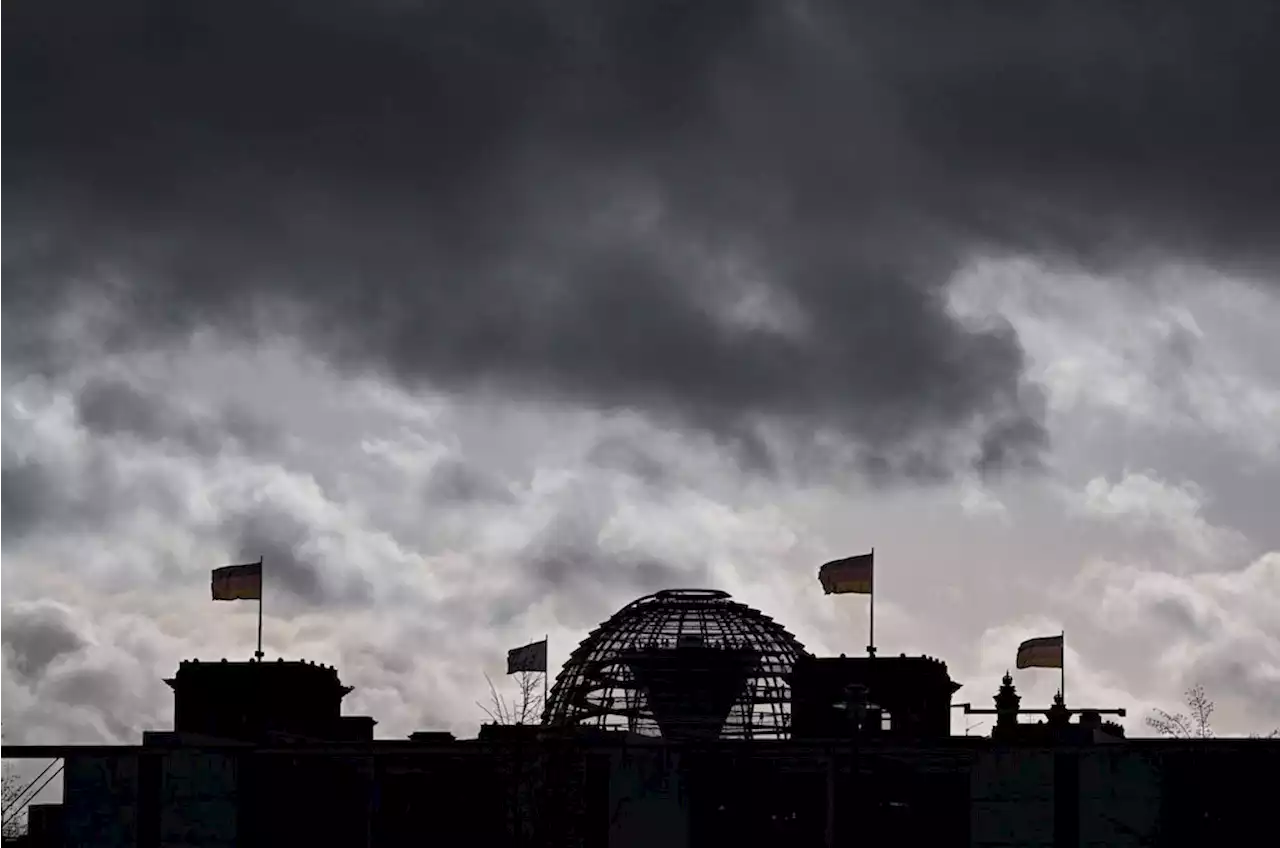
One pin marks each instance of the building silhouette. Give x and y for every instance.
(682, 664)
(686, 719)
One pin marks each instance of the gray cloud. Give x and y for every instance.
(26, 495)
(35, 635)
(1180, 614)
(286, 541)
(456, 481)
(573, 562)
(80, 494)
(93, 688)
(735, 217)
(113, 406)
(67, 679)
(628, 456)
(79, 486)
(575, 200)
(1241, 677)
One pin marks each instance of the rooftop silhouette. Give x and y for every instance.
(684, 719)
(682, 662)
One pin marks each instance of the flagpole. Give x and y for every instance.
(871, 618)
(1062, 685)
(258, 653)
(4, 807)
(546, 670)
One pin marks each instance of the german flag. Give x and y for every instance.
(238, 582)
(852, 575)
(1041, 652)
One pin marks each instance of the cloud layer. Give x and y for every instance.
(479, 320)
(722, 214)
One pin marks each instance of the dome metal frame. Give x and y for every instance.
(598, 686)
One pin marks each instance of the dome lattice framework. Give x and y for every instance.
(683, 663)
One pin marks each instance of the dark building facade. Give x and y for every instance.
(901, 697)
(621, 790)
(857, 753)
(259, 700)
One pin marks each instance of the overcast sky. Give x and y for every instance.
(479, 320)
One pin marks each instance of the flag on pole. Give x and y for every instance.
(853, 575)
(238, 582)
(531, 657)
(1041, 652)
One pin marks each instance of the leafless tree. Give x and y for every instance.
(1194, 725)
(1183, 726)
(12, 786)
(524, 708)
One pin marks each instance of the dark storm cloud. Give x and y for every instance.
(85, 495)
(455, 481)
(77, 680)
(1180, 614)
(36, 635)
(540, 196)
(1225, 676)
(110, 406)
(292, 563)
(93, 688)
(26, 495)
(568, 562)
(618, 453)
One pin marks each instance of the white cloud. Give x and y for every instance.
(1142, 502)
(978, 501)
(1183, 351)
(1219, 628)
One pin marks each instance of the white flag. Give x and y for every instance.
(531, 657)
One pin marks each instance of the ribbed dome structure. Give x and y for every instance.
(683, 664)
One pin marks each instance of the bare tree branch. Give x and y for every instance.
(497, 711)
(11, 789)
(1196, 725)
(1180, 726)
(1201, 709)
(525, 708)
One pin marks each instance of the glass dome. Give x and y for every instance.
(683, 664)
